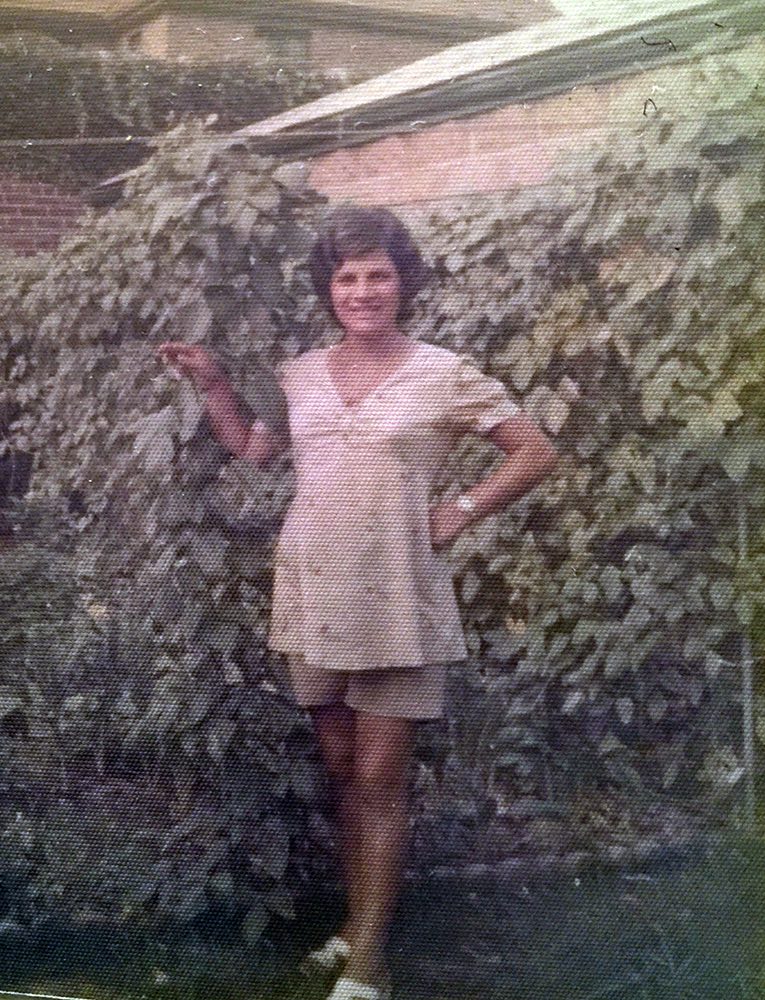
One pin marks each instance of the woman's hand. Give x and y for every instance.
(192, 361)
(447, 520)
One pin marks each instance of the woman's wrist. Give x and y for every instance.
(467, 505)
(463, 518)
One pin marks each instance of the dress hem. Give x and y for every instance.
(397, 665)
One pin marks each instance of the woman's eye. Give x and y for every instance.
(378, 277)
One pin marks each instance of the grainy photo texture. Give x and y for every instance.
(381, 500)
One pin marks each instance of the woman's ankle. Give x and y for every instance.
(367, 964)
(347, 932)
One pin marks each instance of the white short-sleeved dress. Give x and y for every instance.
(357, 584)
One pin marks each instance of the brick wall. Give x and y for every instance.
(34, 215)
(516, 146)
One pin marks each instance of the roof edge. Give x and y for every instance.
(433, 90)
(470, 59)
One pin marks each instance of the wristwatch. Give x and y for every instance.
(466, 503)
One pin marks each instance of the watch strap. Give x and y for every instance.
(466, 503)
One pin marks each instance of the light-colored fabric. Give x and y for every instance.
(333, 952)
(357, 583)
(402, 693)
(351, 989)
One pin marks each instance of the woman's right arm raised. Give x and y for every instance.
(256, 442)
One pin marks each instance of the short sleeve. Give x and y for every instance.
(479, 401)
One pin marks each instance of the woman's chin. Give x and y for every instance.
(369, 328)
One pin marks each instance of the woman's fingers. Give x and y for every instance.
(179, 352)
(192, 361)
(182, 354)
(168, 353)
(168, 346)
(177, 347)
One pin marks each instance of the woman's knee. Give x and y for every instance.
(334, 729)
(339, 763)
(382, 759)
(376, 780)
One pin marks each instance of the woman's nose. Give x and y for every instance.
(362, 296)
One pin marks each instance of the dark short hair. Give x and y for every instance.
(351, 231)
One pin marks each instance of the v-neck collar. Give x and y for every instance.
(414, 352)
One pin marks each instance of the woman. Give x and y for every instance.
(363, 601)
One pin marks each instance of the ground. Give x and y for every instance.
(687, 926)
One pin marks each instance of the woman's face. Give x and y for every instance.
(365, 292)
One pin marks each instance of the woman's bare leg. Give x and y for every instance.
(335, 727)
(382, 755)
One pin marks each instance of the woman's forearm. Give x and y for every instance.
(517, 475)
(223, 410)
(524, 468)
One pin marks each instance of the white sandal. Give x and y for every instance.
(351, 989)
(332, 953)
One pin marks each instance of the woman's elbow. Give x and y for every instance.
(545, 455)
(551, 457)
(253, 451)
(264, 451)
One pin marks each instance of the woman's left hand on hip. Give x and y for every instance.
(447, 521)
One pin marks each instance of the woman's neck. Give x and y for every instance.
(382, 346)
